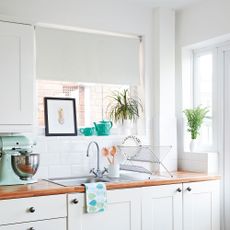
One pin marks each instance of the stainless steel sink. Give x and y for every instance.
(124, 177)
(74, 181)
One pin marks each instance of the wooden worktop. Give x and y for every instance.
(43, 187)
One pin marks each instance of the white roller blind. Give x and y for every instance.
(75, 56)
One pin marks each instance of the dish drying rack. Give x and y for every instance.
(145, 154)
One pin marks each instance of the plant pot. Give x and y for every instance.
(193, 145)
(125, 128)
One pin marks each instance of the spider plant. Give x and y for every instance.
(123, 107)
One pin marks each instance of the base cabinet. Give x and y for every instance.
(57, 224)
(201, 209)
(162, 207)
(188, 206)
(32, 209)
(123, 212)
(34, 213)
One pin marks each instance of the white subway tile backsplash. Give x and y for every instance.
(40, 146)
(66, 156)
(59, 171)
(43, 172)
(54, 145)
(71, 158)
(79, 170)
(199, 162)
(47, 159)
(79, 146)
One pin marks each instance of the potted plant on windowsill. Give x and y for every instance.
(124, 109)
(195, 118)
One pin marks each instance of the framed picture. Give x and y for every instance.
(60, 116)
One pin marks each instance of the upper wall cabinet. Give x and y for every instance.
(17, 77)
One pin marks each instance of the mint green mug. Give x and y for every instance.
(88, 131)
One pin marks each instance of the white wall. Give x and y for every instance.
(102, 15)
(99, 15)
(164, 84)
(205, 22)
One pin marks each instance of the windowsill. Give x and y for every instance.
(41, 133)
(201, 152)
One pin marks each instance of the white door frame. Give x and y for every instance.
(223, 84)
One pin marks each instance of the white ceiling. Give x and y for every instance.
(176, 4)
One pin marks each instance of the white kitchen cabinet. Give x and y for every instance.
(188, 206)
(162, 207)
(17, 77)
(201, 209)
(54, 224)
(32, 209)
(40, 213)
(123, 212)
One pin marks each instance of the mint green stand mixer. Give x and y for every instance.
(17, 163)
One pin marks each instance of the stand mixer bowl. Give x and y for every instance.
(25, 166)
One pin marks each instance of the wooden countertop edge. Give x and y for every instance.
(42, 192)
(52, 189)
(146, 183)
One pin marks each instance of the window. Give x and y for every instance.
(202, 91)
(66, 56)
(91, 99)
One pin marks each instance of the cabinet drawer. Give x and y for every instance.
(32, 209)
(57, 224)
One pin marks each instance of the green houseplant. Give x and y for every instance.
(123, 107)
(195, 118)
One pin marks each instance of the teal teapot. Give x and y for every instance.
(103, 127)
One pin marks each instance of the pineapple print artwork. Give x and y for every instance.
(61, 119)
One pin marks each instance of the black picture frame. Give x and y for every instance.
(60, 116)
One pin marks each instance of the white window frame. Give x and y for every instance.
(223, 156)
(219, 46)
(190, 93)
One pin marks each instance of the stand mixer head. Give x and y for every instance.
(17, 164)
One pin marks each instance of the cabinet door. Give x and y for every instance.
(201, 205)
(53, 224)
(162, 207)
(123, 212)
(16, 74)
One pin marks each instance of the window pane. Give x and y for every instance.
(59, 89)
(203, 90)
(91, 99)
(203, 96)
